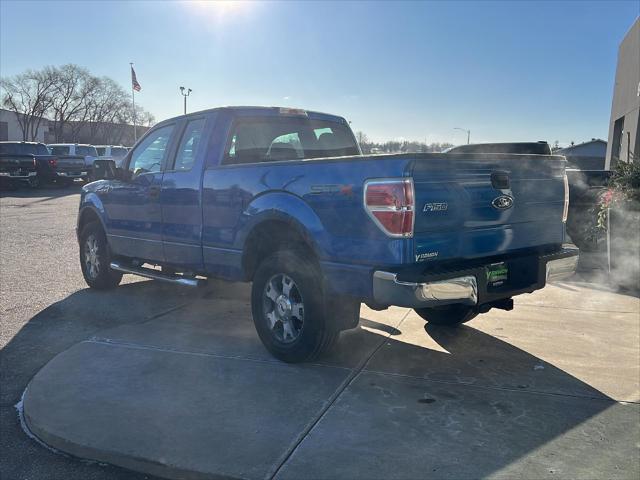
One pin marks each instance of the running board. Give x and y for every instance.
(156, 275)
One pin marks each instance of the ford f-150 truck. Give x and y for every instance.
(37, 165)
(284, 199)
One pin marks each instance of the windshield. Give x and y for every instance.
(277, 138)
(24, 149)
(86, 150)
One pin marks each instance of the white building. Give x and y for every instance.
(10, 128)
(624, 134)
(585, 156)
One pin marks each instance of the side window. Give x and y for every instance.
(148, 156)
(59, 150)
(185, 157)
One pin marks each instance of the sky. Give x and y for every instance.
(507, 71)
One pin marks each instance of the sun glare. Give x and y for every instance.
(219, 9)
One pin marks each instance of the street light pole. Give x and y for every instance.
(465, 130)
(185, 95)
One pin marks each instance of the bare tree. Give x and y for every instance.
(29, 95)
(73, 84)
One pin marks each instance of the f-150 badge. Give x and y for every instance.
(435, 207)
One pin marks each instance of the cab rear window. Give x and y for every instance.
(272, 139)
(24, 149)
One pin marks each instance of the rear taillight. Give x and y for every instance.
(390, 203)
(53, 162)
(565, 212)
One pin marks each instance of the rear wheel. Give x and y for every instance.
(288, 308)
(449, 315)
(95, 258)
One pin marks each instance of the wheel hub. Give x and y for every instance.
(91, 256)
(283, 307)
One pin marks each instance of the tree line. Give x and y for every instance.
(70, 100)
(398, 146)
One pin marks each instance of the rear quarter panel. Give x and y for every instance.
(321, 197)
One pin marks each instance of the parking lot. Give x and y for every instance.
(174, 382)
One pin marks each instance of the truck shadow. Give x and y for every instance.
(497, 371)
(48, 192)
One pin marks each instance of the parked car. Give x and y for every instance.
(89, 152)
(285, 199)
(114, 152)
(48, 168)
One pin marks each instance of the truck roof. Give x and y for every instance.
(69, 144)
(251, 111)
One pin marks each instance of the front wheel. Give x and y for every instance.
(288, 308)
(449, 315)
(95, 258)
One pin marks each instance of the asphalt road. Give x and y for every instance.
(39, 267)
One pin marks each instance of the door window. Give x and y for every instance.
(189, 145)
(149, 155)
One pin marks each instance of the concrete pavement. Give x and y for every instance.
(550, 389)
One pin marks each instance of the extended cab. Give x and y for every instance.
(284, 199)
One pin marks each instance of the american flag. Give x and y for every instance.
(134, 81)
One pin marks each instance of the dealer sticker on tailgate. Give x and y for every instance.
(497, 274)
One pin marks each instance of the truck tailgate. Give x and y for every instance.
(16, 163)
(70, 163)
(482, 205)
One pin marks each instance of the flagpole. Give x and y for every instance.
(133, 102)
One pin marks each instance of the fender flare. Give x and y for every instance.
(288, 208)
(91, 202)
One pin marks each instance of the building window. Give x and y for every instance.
(4, 131)
(618, 138)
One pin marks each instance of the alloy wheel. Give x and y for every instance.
(283, 308)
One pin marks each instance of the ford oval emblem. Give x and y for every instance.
(502, 202)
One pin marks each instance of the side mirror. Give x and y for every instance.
(105, 170)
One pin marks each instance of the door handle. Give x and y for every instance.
(154, 192)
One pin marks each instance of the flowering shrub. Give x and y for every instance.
(623, 192)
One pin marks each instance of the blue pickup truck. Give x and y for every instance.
(284, 198)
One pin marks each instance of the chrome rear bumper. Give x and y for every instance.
(470, 286)
(388, 290)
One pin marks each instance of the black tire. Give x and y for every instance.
(36, 182)
(314, 332)
(449, 315)
(94, 242)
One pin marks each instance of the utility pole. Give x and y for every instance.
(185, 95)
(465, 130)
